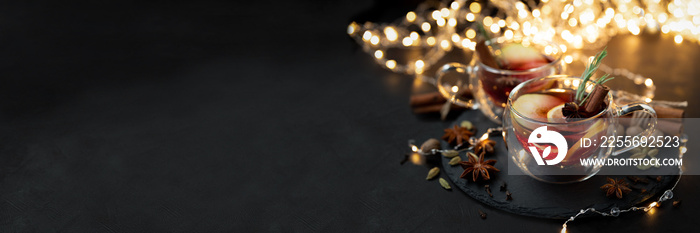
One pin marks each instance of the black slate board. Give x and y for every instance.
(538, 199)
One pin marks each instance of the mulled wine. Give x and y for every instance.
(515, 63)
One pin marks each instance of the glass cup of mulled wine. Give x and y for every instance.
(547, 143)
(497, 66)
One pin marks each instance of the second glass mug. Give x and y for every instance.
(490, 86)
(522, 131)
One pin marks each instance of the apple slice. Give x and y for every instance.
(536, 106)
(555, 115)
(518, 57)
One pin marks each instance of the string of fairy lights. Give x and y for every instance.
(435, 28)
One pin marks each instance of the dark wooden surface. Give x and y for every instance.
(243, 116)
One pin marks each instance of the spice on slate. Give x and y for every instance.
(405, 159)
(429, 145)
(455, 161)
(444, 184)
(488, 190)
(450, 153)
(503, 186)
(484, 146)
(482, 214)
(432, 173)
(457, 135)
(677, 203)
(617, 187)
(635, 180)
(509, 197)
(478, 167)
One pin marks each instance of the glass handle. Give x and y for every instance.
(453, 81)
(648, 122)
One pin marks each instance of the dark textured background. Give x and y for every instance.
(242, 116)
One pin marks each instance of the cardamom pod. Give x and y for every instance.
(467, 124)
(653, 152)
(444, 183)
(455, 161)
(639, 155)
(432, 173)
(450, 153)
(473, 155)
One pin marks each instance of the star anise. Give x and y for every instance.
(484, 146)
(477, 167)
(571, 110)
(508, 81)
(618, 187)
(457, 135)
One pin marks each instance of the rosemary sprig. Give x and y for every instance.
(588, 73)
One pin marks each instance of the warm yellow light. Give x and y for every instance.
(678, 39)
(522, 14)
(568, 59)
(563, 230)
(648, 82)
(378, 54)
(414, 148)
(515, 26)
(684, 149)
(653, 204)
(430, 41)
(425, 26)
(420, 64)
(440, 22)
(564, 15)
(367, 35)
(648, 100)
(455, 38)
(414, 36)
(466, 43)
(374, 40)
(488, 21)
(391, 33)
(470, 33)
(633, 28)
(454, 5)
(536, 13)
(407, 41)
(665, 29)
(445, 44)
(391, 64)
(470, 17)
(351, 28)
(563, 48)
(452, 22)
(495, 28)
(436, 14)
(578, 2)
(609, 12)
(411, 16)
(508, 34)
(444, 12)
(475, 7)
(573, 22)
(455, 88)
(501, 23)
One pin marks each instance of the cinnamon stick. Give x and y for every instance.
(668, 112)
(669, 127)
(434, 98)
(596, 100)
(433, 108)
